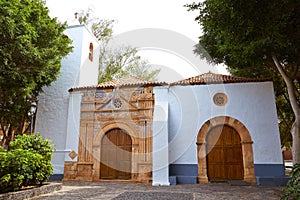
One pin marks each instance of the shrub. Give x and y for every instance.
(292, 190)
(17, 168)
(35, 143)
(27, 163)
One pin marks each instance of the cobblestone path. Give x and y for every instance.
(139, 191)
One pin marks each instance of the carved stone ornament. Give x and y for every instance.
(220, 99)
(117, 103)
(73, 154)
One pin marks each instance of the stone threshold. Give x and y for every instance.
(33, 192)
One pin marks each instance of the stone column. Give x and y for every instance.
(249, 175)
(202, 166)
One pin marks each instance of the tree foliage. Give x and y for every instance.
(248, 33)
(292, 189)
(32, 46)
(284, 110)
(257, 38)
(115, 62)
(101, 28)
(26, 164)
(123, 61)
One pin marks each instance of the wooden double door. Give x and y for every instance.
(116, 148)
(225, 158)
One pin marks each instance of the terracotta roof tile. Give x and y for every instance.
(212, 78)
(202, 79)
(127, 81)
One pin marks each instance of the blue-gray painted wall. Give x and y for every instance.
(266, 174)
(183, 173)
(275, 170)
(270, 174)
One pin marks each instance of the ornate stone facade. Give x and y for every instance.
(104, 109)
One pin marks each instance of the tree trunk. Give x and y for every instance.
(5, 131)
(295, 130)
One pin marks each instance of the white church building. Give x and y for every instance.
(202, 129)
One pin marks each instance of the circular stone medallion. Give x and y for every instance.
(220, 99)
(117, 103)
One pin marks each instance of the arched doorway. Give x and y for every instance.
(246, 145)
(116, 155)
(224, 154)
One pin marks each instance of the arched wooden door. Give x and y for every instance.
(116, 147)
(224, 159)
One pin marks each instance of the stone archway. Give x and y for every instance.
(97, 146)
(246, 143)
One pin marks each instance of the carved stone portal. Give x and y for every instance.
(104, 109)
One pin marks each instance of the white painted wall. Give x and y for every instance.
(73, 124)
(89, 69)
(53, 107)
(160, 165)
(251, 103)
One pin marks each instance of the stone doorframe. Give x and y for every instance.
(97, 146)
(246, 143)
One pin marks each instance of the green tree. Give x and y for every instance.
(119, 61)
(284, 110)
(32, 46)
(292, 190)
(255, 36)
(27, 163)
(123, 61)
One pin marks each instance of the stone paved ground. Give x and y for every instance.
(139, 191)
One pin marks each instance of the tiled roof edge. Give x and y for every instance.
(203, 79)
(222, 82)
(212, 78)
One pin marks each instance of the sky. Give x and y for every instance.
(163, 31)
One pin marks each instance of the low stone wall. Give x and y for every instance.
(30, 193)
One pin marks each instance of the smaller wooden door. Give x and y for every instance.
(224, 159)
(116, 147)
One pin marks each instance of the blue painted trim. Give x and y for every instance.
(269, 170)
(183, 173)
(270, 174)
(266, 174)
(173, 180)
(183, 169)
(56, 177)
(186, 179)
(278, 181)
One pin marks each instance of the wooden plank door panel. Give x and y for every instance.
(235, 172)
(116, 147)
(224, 159)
